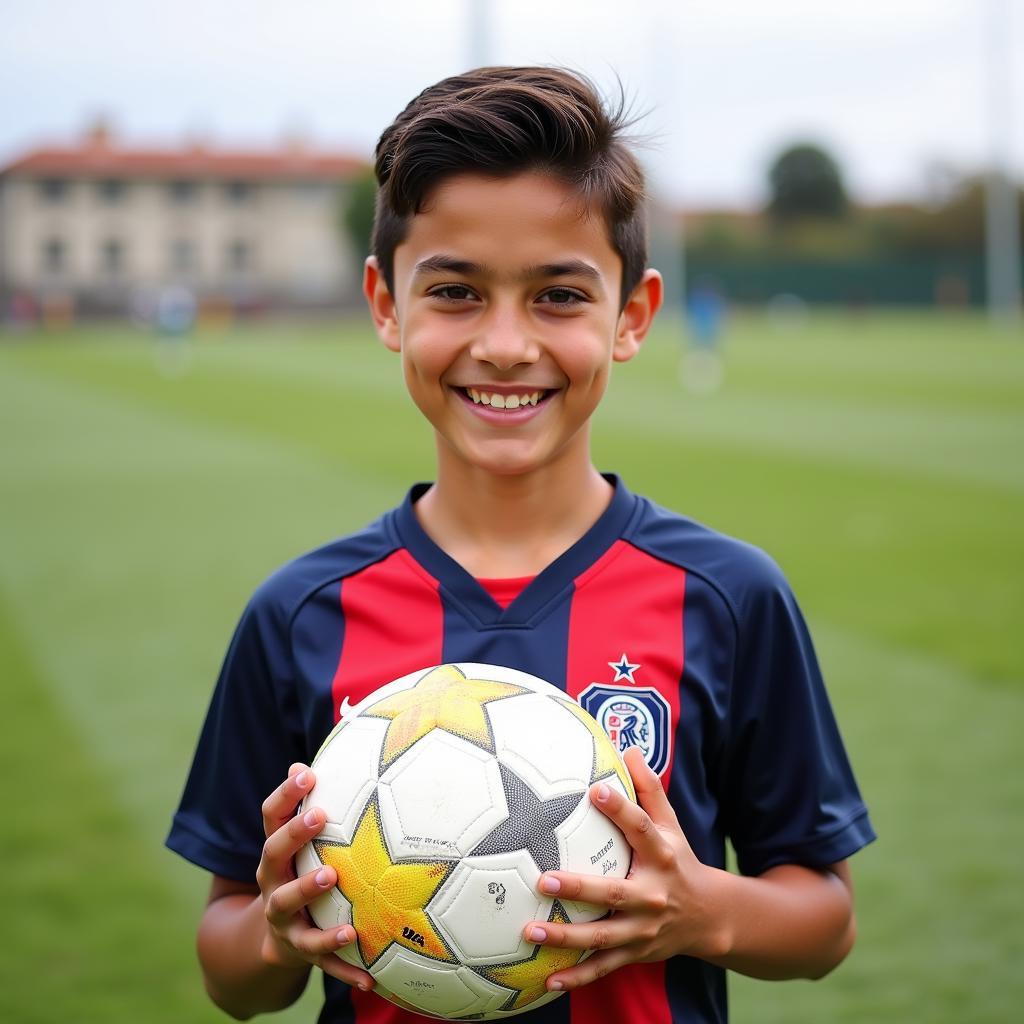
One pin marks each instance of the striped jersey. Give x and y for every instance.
(677, 638)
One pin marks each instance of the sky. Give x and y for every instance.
(901, 92)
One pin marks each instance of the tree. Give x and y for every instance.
(805, 182)
(357, 211)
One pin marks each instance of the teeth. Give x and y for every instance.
(496, 401)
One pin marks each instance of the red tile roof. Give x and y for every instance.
(102, 160)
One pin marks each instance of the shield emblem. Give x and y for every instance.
(637, 717)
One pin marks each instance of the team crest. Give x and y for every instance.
(637, 717)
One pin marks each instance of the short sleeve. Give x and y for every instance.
(244, 750)
(791, 796)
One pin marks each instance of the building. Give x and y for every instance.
(101, 228)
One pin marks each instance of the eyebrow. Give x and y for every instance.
(441, 263)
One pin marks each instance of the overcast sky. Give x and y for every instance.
(891, 87)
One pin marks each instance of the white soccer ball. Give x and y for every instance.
(448, 793)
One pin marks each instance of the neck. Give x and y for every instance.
(514, 525)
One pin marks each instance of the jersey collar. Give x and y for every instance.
(460, 587)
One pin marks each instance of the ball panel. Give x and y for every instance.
(421, 818)
(432, 987)
(543, 743)
(483, 906)
(346, 775)
(589, 843)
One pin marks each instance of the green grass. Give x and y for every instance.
(880, 459)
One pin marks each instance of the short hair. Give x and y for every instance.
(503, 121)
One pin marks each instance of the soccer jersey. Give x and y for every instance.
(679, 640)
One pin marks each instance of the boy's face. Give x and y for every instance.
(506, 313)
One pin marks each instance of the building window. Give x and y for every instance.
(238, 192)
(54, 256)
(183, 256)
(53, 190)
(110, 190)
(182, 192)
(239, 256)
(112, 257)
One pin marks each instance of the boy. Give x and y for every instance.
(509, 274)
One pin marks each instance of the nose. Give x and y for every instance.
(505, 339)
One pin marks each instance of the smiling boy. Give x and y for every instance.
(509, 273)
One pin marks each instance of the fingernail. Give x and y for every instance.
(322, 877)
(602, 793)
(555, 986)
(344, 936)
(302, 780)
(537, 934)
(363, 987)
(310, 818)
(548, 884)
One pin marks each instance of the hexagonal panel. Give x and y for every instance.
(543, 743)
(590, 843)
(434, 987)
(346, 775)
(440, 798)
(485, 904)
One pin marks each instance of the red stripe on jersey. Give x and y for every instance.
(394, 624)
(628, 611)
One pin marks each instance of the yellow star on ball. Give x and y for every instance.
(387, 897)
(443, 699)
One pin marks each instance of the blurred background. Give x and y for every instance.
(190, 394)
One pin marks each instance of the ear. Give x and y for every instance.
(382, 305)
(637, 316)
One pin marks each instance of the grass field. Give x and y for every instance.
(880, 459)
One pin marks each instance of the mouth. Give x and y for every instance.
(506, 400)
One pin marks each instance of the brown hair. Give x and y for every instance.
(503, 121)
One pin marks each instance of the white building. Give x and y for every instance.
(100, 226)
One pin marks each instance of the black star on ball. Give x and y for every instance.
(531, 823)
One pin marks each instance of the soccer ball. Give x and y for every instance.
(448, 792)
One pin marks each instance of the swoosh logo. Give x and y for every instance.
(345, 708)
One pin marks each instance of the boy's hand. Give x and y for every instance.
(663, 908)
(292, 940)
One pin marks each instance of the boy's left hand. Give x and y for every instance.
(664, 907)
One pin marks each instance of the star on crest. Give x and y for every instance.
(443, 699)
(387, 897)
(624, 669)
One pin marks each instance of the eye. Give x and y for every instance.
(452, 293)
(563, 297)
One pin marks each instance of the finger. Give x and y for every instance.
(281, 804)
(603, 934)
(314, 943)
(589, 970)
(275, 865)
(613, 893)
(636, 824)
(338, 968)
(291, 897)
(650, 793)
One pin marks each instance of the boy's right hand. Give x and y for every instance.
(292, 939)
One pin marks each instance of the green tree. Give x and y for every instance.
(357, 206)
(805, 182)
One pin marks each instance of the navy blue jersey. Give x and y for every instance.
(676, 638)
